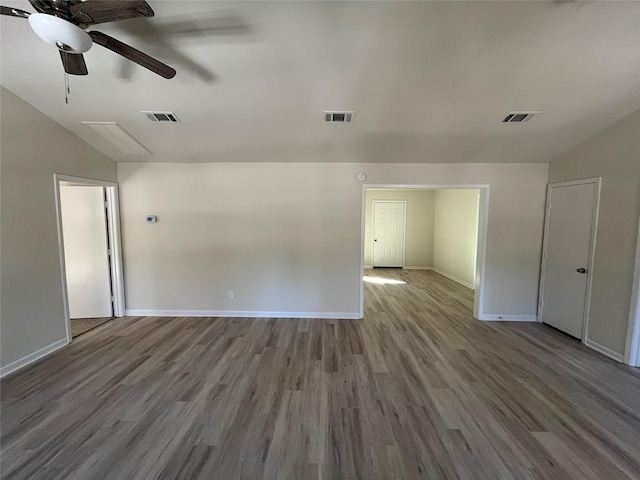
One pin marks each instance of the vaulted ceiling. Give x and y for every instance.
(429, 81)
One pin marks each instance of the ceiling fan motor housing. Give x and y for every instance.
(60, 33)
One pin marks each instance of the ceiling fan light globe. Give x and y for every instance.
(54, 31)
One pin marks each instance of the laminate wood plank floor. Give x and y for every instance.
(417, 389)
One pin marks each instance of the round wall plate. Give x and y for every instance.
(361, 176)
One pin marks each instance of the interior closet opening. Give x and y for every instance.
(89, 253)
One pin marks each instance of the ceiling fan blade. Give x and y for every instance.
(73, 63)
(102, 11)
(41, 6)
(13, 12)
(133, 54)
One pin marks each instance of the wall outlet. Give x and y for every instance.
(230, 293)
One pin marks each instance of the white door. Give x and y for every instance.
(84, 229)
(388, 234)
(569, 242)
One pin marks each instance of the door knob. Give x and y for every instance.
(581, 270)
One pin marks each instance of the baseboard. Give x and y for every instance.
(455, 279)
(604, 350)
(235, 314)
(33, 357)
(406, 267)
(509, 318)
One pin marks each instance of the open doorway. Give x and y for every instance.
(442, 229)
(88, 229)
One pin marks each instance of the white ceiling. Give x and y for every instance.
(430, 81)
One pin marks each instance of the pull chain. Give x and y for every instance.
(67, 89)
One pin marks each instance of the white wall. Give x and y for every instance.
(286, 237)
(455, 237)
(613, 155)
(283, 237)
(33, 148)
(419, 225)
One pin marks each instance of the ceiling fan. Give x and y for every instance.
(62, 22)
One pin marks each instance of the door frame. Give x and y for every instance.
(481, 245)
(592, 250)
(404, 229)
(632, 350)
(115, 244)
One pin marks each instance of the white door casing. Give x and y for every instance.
(569, 243)
(632, 350)
(84, 226)
(388, 233)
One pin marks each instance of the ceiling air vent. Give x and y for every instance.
(339, 117)
(168, 117)
(519, 117)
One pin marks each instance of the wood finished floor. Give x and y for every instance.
(418, 389)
